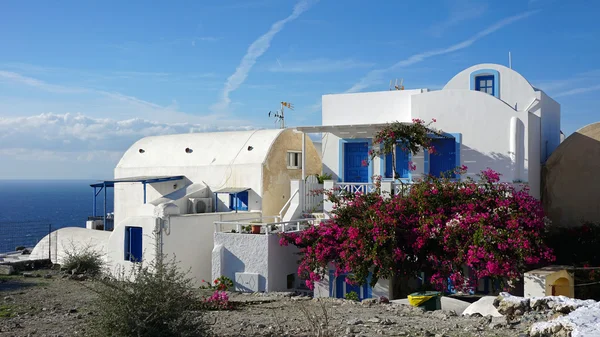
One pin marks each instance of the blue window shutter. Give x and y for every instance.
(133, 244)
(402, 162)
(243, 201)
(388, 166)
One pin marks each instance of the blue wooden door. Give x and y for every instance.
(354, 154)
(444, 158)
(133, 244)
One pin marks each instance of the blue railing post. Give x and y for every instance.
(94, 209)
(104, 217)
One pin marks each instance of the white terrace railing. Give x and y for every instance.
(247, 226)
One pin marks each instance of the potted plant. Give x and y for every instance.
(256, 228)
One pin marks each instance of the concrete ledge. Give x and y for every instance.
(9, 268)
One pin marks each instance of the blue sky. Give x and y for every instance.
(80, 81)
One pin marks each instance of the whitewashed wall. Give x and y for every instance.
(484, 123)
(550, 125)
(261, 254)
(116, 243)
(189, 238)
(282, 262)
(368, 107)
(534, 171)
(70, 239)
(130, 196)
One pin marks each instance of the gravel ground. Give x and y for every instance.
(56, 306)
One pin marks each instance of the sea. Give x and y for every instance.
(30, 209)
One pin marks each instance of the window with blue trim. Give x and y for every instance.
(402, 159)
(133, 244)
(485, 83)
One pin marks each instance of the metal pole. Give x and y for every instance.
(104, 217)
(282, 124)
(144, 193)
(50, 241)
(94, 209)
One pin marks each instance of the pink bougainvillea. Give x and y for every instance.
(438, 226)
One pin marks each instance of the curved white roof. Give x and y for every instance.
(211, 148)
(514, 89)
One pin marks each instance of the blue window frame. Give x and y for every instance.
(133, 244)
(486, 80)
(485, 83)
(402, 159)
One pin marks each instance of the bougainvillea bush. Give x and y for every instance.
(438, 227)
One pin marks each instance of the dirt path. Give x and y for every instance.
(56, 306)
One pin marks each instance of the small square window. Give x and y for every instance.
(294, 160)
(485, 83)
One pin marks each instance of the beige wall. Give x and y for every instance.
(571, 179)
(276, 176)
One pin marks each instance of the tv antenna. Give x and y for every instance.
(396, 86)
(279, 115)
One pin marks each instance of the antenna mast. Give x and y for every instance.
(279, 115)
(509, 60)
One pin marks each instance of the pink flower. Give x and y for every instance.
(364, 162)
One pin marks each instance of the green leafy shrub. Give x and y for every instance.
(155, 300)
(351, 296)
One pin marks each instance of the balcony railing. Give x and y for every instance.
(250, 226)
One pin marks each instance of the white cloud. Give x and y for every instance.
(129, 106)
(459, 11)
(256, 49)
(321, 65)
(63, 133)
(576, 91)
(374, 76)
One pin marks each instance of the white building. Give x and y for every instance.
(491, 114)
(491, 117)
(170, 190)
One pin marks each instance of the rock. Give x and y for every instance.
(72, 310)
(6, 269)
(47, 276)
(369, 301)
(386, 321)
(27, 274)
(374, 320)
(354, 321)
(9, 299)
(350, 330)
(497, 322)
(261, 326)
(78, 277)
(384, 299)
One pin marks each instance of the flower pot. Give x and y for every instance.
(256, 229)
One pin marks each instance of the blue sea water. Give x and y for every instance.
(30, 208)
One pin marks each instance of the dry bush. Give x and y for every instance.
(318, 320)
(154, 300)
(83, 260)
